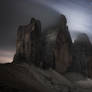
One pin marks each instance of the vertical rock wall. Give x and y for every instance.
(63, 55)
(28, 42)
(81, 54)
(50, 50)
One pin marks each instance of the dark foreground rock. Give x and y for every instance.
(28, 43)
(25, 78)
(59, 46)
(31, 79)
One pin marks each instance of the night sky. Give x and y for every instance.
(19, 12)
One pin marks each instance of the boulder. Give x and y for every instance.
(48, 49)
(58, 46)
(74, 77)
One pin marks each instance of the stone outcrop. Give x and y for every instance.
(48, 49)
(28, 78)
(63, 54)
(81, 54)
(28, 42)
(58, 46)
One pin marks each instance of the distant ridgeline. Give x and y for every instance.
(53, 48)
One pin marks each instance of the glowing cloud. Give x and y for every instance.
(6, 56)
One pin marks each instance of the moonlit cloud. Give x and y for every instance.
(78, 13)
(5, 59)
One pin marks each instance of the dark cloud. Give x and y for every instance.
(78, 13)
(19, 12)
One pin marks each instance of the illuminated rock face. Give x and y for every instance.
(28, 42)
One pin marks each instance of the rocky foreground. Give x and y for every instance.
(26, 78)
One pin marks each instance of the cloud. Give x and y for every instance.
(6, 56)
(19, 12)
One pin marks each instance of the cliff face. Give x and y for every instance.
(81, 54)
(28, 42)
(63, 48)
